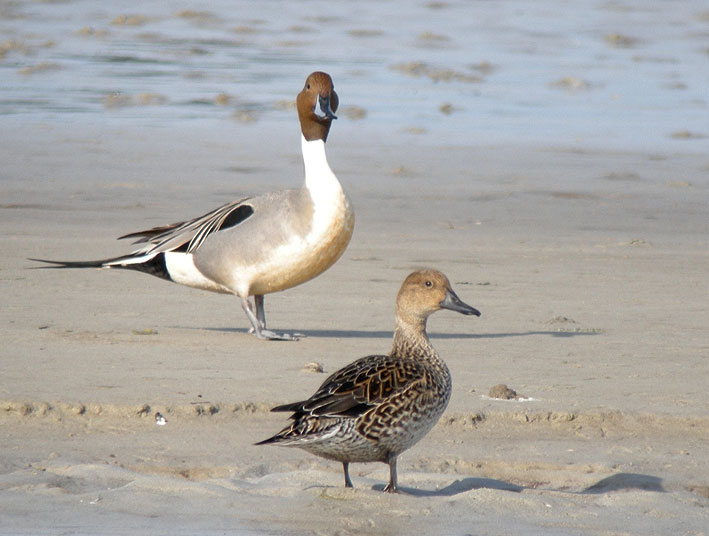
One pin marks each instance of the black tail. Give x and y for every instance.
(71, 264)
(153, 266)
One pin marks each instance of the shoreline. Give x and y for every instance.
(62, 411)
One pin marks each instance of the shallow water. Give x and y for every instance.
(580, 74)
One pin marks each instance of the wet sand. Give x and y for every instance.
(593, 299)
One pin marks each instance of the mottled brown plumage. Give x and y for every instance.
(375, 408)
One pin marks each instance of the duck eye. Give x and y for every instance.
(429, 284)
(308, 86)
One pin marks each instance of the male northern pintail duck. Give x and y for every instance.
(262, 244)
(375, 408)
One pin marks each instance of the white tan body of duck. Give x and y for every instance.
(257, 245)
(377, 407)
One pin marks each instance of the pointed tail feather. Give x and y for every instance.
(293, 406)
(282, 435)
(149, 264)
(71, 264)
(271, 440)
(304, 431)
(288, 437)
(116, 262)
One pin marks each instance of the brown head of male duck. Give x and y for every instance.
(377, 407)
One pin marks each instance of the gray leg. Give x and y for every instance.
(346, 467)
(249, 310)
(392, 486)
(260, 311)
(262, 332)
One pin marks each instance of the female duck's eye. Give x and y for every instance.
(428, 284)
(308, 86)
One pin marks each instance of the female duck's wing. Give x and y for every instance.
(358, 387)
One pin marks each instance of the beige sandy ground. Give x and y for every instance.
(590, 268)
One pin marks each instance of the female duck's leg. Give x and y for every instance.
(346, 467)
(392, 486)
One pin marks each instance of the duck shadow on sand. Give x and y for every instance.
(617, 482)
(442, 336)
(367, 334)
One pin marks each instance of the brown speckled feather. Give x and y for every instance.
(361, 385)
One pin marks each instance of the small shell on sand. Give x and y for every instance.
(503, 392)
(313, 366)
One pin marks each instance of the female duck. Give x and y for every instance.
(377, 407)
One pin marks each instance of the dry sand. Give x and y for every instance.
(590, 269)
